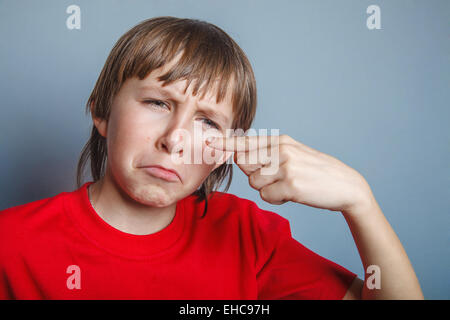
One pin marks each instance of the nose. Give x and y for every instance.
(172, 141)
(176, 135)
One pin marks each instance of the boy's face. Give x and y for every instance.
(140, 134)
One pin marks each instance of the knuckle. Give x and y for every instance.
(264, 195)
(284, 171)
(252, 181)
(240, 158)
(292, 183)
(284, 138)
(288, 150)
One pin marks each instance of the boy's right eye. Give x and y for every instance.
(155, 103)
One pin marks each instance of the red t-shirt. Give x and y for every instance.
(59, 248)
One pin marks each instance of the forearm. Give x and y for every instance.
(378, 245)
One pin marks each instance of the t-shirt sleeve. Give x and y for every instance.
(290, 271)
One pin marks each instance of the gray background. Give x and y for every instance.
(378, 100)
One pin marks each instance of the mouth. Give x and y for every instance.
(163, 173)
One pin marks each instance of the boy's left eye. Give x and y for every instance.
(159, 103)
(211, 123)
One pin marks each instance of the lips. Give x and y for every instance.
(163, 173)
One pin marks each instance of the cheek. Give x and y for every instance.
(204, 156)
(201, 161)
(195, 150)
(209, 156)
(125, 138)
(133, 125)
(196, 174)
(122, 137)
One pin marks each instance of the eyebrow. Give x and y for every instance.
(166, 94)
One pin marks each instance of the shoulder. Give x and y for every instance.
(263, 224)
(228, 203)
(30, 209)
(258, 231)
(18, 223)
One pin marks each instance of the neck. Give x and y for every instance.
(120, 211)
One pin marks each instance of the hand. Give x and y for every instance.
(304, 174)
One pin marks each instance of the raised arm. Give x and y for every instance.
(296, 172)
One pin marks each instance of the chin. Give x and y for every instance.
(153, 195)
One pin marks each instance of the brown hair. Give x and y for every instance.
(209, 54)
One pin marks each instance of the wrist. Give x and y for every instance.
(363, 205)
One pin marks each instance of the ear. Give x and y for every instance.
(100, 124)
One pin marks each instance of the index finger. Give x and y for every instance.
(242, 143)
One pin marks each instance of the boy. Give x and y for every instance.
(149, 227)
